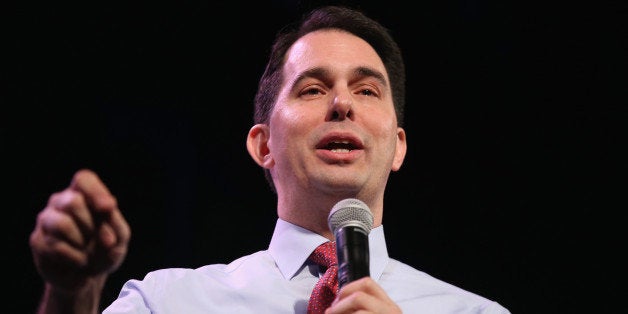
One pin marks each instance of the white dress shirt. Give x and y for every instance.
(280, 280)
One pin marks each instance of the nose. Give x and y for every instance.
(341, 107)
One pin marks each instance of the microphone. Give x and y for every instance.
(350, 220)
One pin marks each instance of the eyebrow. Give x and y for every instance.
(370, 72)
(323, 74)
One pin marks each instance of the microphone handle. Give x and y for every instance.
(352, 250)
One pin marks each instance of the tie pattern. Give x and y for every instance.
(327, 286)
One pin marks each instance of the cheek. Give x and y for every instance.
(287, 125)
(294, 119)
(383, 125)
(290, 118)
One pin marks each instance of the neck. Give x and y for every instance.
(311, 211)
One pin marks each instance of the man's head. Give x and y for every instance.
(346, 21)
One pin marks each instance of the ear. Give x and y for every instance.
(257, 145)
(400, 151)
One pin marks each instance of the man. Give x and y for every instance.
(329, 110)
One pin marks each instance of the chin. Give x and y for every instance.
(340, 187)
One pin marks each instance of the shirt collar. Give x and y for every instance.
(291, 245)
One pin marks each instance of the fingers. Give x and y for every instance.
(113, 228)
(96, 193)
(80, 235)
(79, 220)
(66, 226)
(67, 216)
(366, 285)
(114, 235)
(363, 296)
(56, 238)
(115, 231)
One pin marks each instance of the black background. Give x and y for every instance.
(513, 184)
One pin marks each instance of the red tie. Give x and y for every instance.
(327, 286)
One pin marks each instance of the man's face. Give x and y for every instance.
(333, 127)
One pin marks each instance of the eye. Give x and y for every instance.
(367, 92)
(312, 91)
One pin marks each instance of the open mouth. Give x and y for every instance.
(339, 145)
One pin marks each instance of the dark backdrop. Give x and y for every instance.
(515, 121)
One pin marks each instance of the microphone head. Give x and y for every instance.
(350, 212)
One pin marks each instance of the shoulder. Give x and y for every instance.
(171, 288)
(249, 262)
(172, 276)
(413, 288)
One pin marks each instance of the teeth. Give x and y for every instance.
(340, 146)
(343, 142)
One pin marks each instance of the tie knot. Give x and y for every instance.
(325, 254)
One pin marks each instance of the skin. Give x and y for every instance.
(335, 87)
(80, 237)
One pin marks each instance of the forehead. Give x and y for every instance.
(334, 49)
